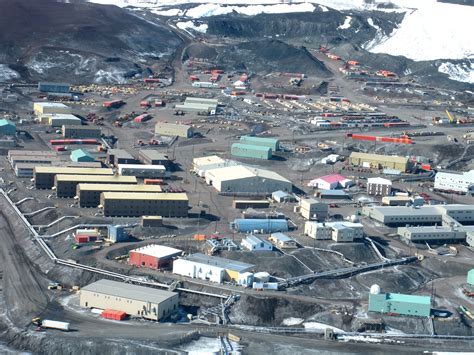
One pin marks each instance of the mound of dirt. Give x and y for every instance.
(72, 41)
(200, 50)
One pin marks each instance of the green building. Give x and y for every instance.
(7, 128)
(81, 155)
(272, 143)
(470, 277)
(395, 303)
(251, 151)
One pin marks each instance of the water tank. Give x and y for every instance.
(354, 218)
(375, 289)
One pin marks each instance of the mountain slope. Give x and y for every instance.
(45, 38)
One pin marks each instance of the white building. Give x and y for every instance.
(337, 231)
(379, 186)
(203, 164)
(434, 233)
(283, 241)
(142, 171)
(212, 268)
(254, 243)
(455, 181)
(330, 182)
(235, 179)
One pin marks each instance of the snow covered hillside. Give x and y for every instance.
(430, 30)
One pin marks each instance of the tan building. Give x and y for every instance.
(173, 129)
(140, 301)
(89, 194)
(377, 161)
(50, 108)
(44, 175)
(312, 209)
(137, 204)
(66, 185)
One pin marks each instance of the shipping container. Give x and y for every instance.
(60, 148)
(73, 141)
(46, 323)
(199, 237)
(142, 118)
(153, 182)
(113, 314)
(151, 80)
(113, 104)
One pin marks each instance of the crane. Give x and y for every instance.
(450, 117)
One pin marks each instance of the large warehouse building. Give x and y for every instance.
(430, 234)
(462, 182)
(44, 175)
(197, 104)
(89, 194)
(173, 129)
(138, 301)
(243, 179)
(66, 185)
(212, 268)
(398, 304)
(50, 108)
(250, 151)
(120, 156)
(272, 143)
(377, 161)
(153, 256)
(423, 215)
(137, 204)
(203, 164)
(7, 128)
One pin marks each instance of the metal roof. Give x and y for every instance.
(427, 229)
(245, 146)
(80, 153)
(144, 196)
(379, 157)
(23, 153)
(379, 181)
(201, 100)
(219, 262)
(253, 240)
(140, 167)
(281, 237)
(68, 170)
(333, 192)
(50, 104)
(63, 116)
(82, 128)
(152, 154)
(130, 291)
(242, 172)
(87, 178)
(158, 251)
(406, 211)
(259, 139)
(4, 122)
(119, 187)
(120, 153)
(212, 159)
(397, 297)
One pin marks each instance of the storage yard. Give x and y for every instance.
(221, 207)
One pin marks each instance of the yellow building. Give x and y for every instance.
(49, 108)
(378, 161)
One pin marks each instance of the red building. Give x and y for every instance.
(153, 256)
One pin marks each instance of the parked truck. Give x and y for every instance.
(51, 324)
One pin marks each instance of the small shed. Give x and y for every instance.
(254, 243)
(81, 155)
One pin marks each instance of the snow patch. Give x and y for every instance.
(463, 72)
(346, 24)
(205, 345)
(323, 8)
(168, 13)
(321, 326)
(105, 77)
(190, 25)
(372, 24)
(7, 74)
(207, 10)
(292, 321)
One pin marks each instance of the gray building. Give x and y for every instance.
(120, 156)
(137, 204)
(138, 301)
(81, 131)
(197, 104)
(153, 157)
(312, 209)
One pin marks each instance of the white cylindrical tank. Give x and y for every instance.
(375, 289)
(354, 218)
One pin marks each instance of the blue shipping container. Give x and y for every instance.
(263, 225)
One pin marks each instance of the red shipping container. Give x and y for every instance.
(81, 238)
(113, 314)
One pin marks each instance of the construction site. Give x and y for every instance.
(273, 210)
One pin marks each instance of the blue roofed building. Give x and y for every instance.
(7, 128)
(81, 155)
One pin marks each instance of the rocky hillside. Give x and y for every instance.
(78, 42)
